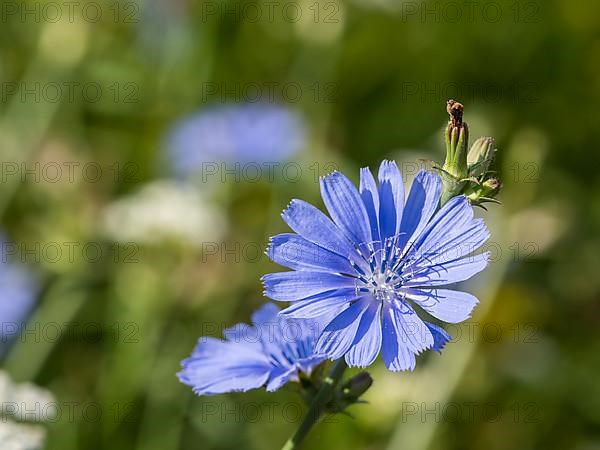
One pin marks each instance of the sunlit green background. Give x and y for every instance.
(374, 76)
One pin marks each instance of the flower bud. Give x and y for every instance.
(467, 173)
(457, 140)
(455, 169)
(491, 187)
(350, 392)
(357, 386)
(479, 193)
(481, 156)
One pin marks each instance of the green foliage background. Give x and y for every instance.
(374, 77)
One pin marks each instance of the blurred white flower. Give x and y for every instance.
(23, 402)
(26, 401)
(16, 436)
(164, 210)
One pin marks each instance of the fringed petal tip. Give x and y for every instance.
(395, 368)
(330, 174)
(269, 249)
(286, 211)
(290, 203)
(440, 337)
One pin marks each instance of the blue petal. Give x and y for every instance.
(367, 342)
(404, 336)
(280, 376)
(338, 336)
(391, 198)
(292, 286)
(440, 337)
(455, 214)
(444, 304)
(268, 326)
(288, 343)
(412, 329)
(279, 341)
(456, 243)
(395, 354)
(314, 226)
(266, 313)
(370, 196)
(346, 207)
(421, 204)
(219, 366)
(297, 253)
(449, 272)
(244, 334)
(307, 364)
(321, 304)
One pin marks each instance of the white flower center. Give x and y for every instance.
(381, 288)
(380, 274)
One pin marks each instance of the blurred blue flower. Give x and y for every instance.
(17, 297)
(271, 353)
(248, 133)
(378, 258)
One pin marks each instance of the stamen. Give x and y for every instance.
(357, 268)
(381, 280)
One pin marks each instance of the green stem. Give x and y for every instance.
(317, 407)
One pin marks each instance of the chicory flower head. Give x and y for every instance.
(380, 259)
(247, 133)
(271, 352)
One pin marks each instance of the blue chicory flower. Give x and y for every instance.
(248, 133)
(270, 353)
(17, 298)
(379, 261)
